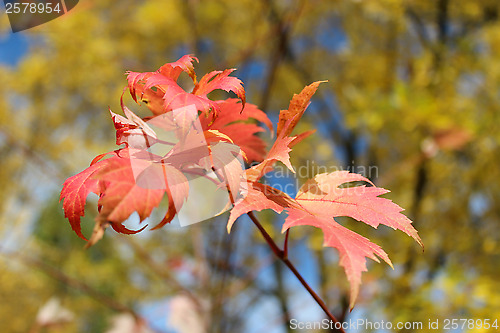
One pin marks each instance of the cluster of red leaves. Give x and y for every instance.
(317, 203)
(111, 175)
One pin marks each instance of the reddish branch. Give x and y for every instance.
(283, 256)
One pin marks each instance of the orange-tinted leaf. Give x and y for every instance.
(288, 119)
(121, 195)
(296, 109)
(278, 152)
(75, 191)
(154, 101)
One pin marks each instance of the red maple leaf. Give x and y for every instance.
(168, 72)
(126, 183)
(75, 191)
(151, 87)
(122, 194)
(321, 200)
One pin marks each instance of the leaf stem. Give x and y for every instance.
(282, 255)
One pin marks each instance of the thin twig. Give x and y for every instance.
(277, 251)
(281, 255)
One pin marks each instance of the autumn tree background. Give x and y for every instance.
(413, 91)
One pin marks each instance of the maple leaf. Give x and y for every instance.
(296, 109)
(131, 180)
(233, 123)
(164, 82)
(136, 183)
(271, 198)
(75, 191)
(322, 200)
(287, 121)
(353, 248)
(169, 71)
(121, 194)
